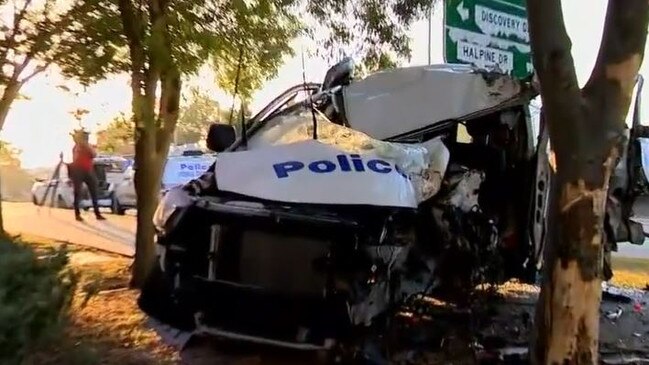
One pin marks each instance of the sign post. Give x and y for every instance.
(488, 33)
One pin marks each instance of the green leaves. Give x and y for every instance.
(366, 29)
(9, 155)
(35, 296)
(262, 30)
(197, 32)
(31, 34)
(214, 32)
(196, 116)
(119, 133)
(93, 46)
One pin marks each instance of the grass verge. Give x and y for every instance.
(106, 326)
(631, 272)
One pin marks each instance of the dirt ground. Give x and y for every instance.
(109, 329)
(105, 327)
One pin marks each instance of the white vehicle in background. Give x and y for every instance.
(110, 172)
(181, 167)
(60, 194)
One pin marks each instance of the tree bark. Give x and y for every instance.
(153, 133)
(151, 149)
(9, 94)
(147, 187)
(587, 132)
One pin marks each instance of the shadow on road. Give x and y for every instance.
(103, 229)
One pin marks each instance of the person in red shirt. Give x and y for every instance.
(81, 172)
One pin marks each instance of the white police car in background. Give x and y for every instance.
(183, 165)
(110, 172)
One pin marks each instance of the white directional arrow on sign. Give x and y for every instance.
(464, 12)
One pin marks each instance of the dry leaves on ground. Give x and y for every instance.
(106, 326)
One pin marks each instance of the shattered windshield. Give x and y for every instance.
(276, 128)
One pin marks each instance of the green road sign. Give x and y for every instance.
(487, 33)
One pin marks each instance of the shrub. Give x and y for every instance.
(36, 291)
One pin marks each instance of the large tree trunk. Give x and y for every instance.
(153, 137)
(147, 188)
(9, 94)
(587, 135)
(153, 133)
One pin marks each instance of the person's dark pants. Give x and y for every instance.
(80, 177)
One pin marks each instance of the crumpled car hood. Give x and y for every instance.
(344, 166)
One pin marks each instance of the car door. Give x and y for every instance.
(125, 190)
(629, 180)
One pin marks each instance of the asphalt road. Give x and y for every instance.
(115, 234)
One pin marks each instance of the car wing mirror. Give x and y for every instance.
(220, 137)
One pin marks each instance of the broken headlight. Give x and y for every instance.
(175, 199)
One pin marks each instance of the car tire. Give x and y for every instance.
(116, 207)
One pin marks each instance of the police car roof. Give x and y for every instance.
(399, 101)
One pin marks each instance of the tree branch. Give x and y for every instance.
(553, 62)
(552, 58)
(37, 70)
(136, 49)
(621, 52)
(20, 67)
(10, 39)
(9, 94)
(168, 73)
(157, 51)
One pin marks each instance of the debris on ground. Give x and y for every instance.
(615, 294)
(110, 328)
(614, 314)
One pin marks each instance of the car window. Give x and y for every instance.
(116, 167)
(113, 165)
(280, 125)
(285, 103)
(299, 97)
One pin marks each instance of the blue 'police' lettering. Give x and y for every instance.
(282, 169)
(379, 166)
(322, 166)
(358, 163)
(398, 170)
(344, 163)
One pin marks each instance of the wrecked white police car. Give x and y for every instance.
(415, 180)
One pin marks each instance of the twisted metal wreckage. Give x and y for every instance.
(422, 180)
